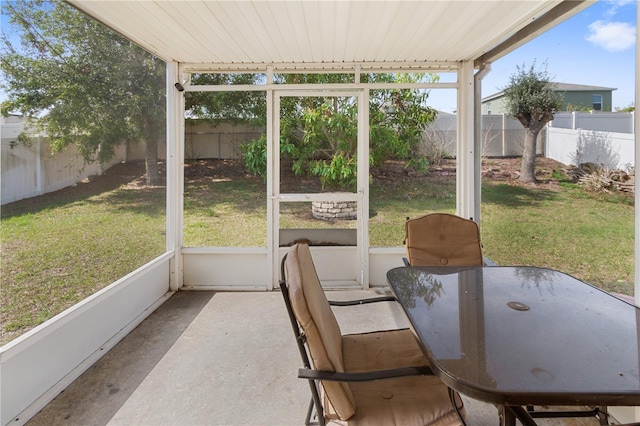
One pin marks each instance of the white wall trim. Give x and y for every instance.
(74, 339)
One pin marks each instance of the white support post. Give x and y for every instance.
(363, 186)
(635, 416)
(175, 175)
(273, 184)
(363, 182)
(636, 126)
(465, 165)
(478, 141)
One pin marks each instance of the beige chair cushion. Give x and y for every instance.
(318, 323)
(381, 350)
(415, 400)
(442, 239)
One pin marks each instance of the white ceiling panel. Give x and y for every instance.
(310, 33)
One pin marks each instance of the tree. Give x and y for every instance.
(319, 134)
(628, 108)
(87, 85)
(232, 107)
(531, 98)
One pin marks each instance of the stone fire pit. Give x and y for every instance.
(335, 210)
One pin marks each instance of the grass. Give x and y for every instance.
(60, 248)
(225, 213)
(565, 228)
(589, 236)
(392, 201)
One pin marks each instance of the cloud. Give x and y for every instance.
(614, 5)
(612, 36)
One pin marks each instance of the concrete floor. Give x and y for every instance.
(207, 358)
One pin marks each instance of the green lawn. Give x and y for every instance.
(60, 248)
(590, 237)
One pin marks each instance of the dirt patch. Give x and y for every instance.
(508, 170)
(196, 169)
(503, 169)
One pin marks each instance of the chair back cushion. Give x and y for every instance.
(324, 338)
(442, 239)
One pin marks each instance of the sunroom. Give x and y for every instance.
(458, 40)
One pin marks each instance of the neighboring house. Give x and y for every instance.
(575, 97)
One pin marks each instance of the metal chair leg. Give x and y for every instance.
(314, 405)
(307, 420)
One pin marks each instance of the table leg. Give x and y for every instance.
(603, 415)
(507, 417)
(509, 414)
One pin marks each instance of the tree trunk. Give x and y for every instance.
(151, 131)
(151, 163)
(532, 123)
(528, 165)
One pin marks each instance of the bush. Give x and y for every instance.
(318, 135)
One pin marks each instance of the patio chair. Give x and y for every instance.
(442, 239)
(370, 378)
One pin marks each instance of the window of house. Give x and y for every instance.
(597, 102)
(489, 108)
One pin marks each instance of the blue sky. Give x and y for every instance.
(595, 47)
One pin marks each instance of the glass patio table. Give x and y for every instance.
(523, 336)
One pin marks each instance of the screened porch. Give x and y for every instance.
(198, 335)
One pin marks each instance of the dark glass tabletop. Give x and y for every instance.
(523, 335)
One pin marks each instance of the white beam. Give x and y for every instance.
(325, 67)
(363, 187)
(465, 165)
(553, 17)
(478, 140)
(636, 126)
(321, 87)
(273, 183)
(175, 176)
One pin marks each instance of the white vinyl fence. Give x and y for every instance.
(502, 136)
(202, 140)
(222, 141)
(604, 138)
(30, 169)
(609, 149)
(572, 138)
(616, 122)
